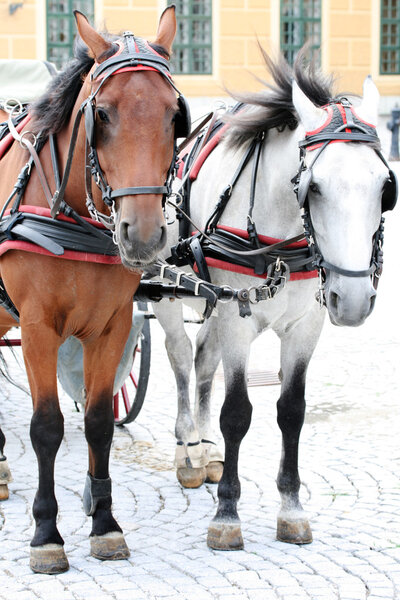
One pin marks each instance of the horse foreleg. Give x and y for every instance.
(190, 460)
(101, 359)
(224, 532)
(5, 473)
(46, 431)
(297, 347)
(208, 356)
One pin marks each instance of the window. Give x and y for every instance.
(61, 28)
(192, 51)
(300, 23)
(390, 37)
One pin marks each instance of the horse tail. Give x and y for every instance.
(4, 368)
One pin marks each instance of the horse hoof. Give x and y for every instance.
(214, 471)
(191, 478)
(110, 546)
(4, 491)
(49, 558)
(294, 531)
(225, 535)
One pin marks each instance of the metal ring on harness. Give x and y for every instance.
(22, 142)
(251, 289)
(10, 106)
(176, 195)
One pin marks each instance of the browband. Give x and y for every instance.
(345, 136)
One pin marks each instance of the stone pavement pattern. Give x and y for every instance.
(349, 460)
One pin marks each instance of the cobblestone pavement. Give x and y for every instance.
(350, 461)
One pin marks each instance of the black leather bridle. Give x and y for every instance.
(133, 54)
(346, 127)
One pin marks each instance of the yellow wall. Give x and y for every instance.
(18, 31)
(350, 39)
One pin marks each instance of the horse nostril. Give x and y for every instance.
(372, 302)
(163, 237)
(127, 233)
(334, 300)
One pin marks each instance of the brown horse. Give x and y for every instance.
(132, 115)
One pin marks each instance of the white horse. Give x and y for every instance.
(344, 187)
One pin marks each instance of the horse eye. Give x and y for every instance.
(103, 116)
(314, 188)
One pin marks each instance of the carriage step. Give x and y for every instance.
(258, 378)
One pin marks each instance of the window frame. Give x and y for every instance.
(290, 50)
(389, 48)
(190, 46)
(69, 15)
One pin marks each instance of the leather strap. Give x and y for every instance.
(134, 191)
(350, 136)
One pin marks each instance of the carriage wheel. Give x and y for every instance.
(129, 400)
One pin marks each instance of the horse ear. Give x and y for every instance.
(93, 40)
(166, 29)
(311, 116)
(368, 109)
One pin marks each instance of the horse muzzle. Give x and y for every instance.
(136, 250)
(349, 300)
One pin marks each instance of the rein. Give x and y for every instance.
(215, 242)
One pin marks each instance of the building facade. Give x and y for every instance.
(216, 46)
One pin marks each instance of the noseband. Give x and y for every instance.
(342, 125)
(133, 54)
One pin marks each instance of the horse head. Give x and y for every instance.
(131, 117)
(342, 185)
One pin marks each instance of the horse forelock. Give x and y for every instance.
(273, 106)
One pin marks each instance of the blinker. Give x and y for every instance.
(304, 184)
(390, 192)
(352, 129)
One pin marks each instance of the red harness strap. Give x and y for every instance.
(227, 266)
(205, 153)
(68, 254)
(7, 141)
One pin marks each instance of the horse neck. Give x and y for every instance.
(276, 212)
(75, 191)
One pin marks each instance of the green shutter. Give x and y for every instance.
(61, 28)
(192, 50)
(300, 23)
(390, 37)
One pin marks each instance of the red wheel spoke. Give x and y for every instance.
(134, 379)
(126, 398)
(116, 406)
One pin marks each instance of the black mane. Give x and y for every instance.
(52, 111)
(274, 106)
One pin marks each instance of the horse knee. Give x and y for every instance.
(290, 415)
(99, 423)
(47, 428)
(291, 405)
(236, 412)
